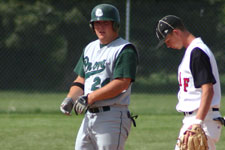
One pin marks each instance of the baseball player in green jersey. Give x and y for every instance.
(106, 71)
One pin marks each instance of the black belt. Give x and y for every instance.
(189, 113)
(99, 109)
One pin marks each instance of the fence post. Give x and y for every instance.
(127, 28)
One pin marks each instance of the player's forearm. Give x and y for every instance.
(76, 91)
(206, 99)
(112, 89)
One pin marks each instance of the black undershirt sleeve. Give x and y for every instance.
(201, 68)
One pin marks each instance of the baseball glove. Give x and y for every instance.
(193, 139)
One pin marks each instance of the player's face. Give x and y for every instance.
(104, 31)
(173, 40)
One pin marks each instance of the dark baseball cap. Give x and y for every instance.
(165, 26)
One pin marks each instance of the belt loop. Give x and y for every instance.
(100, 109)
(188, 113)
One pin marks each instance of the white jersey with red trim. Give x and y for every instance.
(189, 97)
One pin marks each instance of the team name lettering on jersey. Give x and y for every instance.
(185, 82)
(92, 69)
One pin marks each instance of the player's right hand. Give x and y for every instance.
(81, 104)
(67, 106)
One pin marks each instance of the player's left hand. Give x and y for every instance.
(193, 139)
(81, 104)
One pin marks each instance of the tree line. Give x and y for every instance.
(42, 40)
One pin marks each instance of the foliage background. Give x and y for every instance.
(42, 40)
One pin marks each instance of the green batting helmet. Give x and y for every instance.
(105, 12)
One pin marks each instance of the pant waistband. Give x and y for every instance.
(191, 112)
(99, 109)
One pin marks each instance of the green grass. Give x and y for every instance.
(33, 121)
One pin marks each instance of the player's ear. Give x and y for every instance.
(176, 31)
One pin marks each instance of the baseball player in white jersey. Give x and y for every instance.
(106, 71)
(200, 94)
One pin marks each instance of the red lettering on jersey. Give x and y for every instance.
(186, 80)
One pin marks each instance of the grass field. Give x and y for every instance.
(32, 121)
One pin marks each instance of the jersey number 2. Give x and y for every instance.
(97, 83)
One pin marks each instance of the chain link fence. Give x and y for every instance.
(41, 41)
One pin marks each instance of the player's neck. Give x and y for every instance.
(188, 39)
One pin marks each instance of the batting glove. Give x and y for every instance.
(67, 106)
(81, 104)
